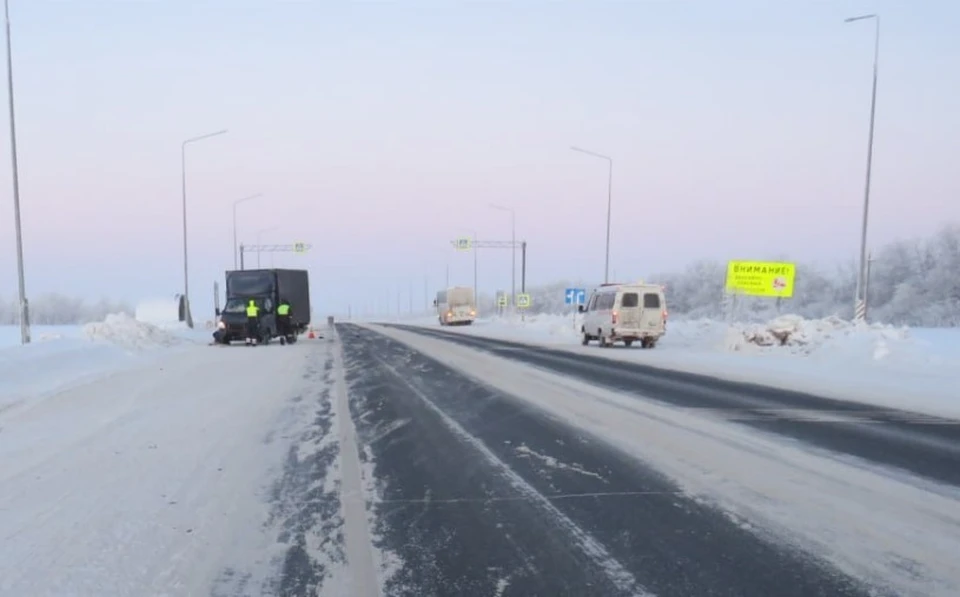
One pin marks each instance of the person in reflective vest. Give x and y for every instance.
(283, 318)
(253, 322)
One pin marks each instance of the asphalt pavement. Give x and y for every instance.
(468, 507)
(896, 440)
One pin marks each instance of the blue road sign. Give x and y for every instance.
(574, 296)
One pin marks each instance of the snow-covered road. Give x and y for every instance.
(158, 480)
(390, 462)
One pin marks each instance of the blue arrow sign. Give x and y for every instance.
(575, 296)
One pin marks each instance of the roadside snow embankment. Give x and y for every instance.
(126, 332)
(75, 354)
(911, 368)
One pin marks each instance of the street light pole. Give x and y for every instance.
(183, 178)
(513, 249)
(235, 204)
(476, 297)
(21, 283)
(860, 305)
(606, 263)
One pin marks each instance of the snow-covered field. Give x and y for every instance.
(61, 356)
(911, 368)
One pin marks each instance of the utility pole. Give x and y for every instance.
(606, 262)
(860, 305)
(21, 278)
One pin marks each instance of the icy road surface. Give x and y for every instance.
(400, 462)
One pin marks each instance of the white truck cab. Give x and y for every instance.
(625, 313)
(456, 306)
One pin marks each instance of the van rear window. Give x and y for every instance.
(629, 299)
(651, 301)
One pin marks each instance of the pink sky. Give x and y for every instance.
(378, 134)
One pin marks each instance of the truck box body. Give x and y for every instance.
(456, 306)
(294, 285)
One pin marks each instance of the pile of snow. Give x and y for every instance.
(801, 336)
(125, 331)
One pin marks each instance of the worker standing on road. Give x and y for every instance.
(253, 322)
(283, 317)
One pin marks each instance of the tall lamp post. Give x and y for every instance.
(860, 304)
(183, 178)
(236, 251)
(513, 250)
(21, 283)
(606, 263)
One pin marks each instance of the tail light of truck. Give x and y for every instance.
(613, 318)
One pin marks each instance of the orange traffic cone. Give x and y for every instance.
(311, 335)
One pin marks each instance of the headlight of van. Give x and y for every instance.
(221, 325)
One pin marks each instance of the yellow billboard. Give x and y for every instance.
(761, 278)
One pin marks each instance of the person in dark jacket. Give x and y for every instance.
(283, 318)
(253, 322)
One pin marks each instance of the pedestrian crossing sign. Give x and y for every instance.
(299, 247)
(463, 244)
(523, 301)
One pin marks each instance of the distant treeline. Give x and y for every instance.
(58, 309)
(913, 283)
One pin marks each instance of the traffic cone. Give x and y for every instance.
(311, 335)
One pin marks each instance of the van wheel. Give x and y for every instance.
(602, 340)
(586, 339)
(646, 343)
(628, 343)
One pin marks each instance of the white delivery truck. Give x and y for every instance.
(456, 306)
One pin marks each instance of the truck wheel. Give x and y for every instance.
(586, 339)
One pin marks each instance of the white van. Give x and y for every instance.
(456, 306)
(625, 312)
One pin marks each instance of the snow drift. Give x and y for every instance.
(802, 336)
(126, 332)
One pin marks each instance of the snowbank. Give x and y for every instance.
(911, 368)
(125, 331)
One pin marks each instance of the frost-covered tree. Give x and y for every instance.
(911, 283)
(58, 309)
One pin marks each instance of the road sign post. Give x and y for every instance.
(574, 297)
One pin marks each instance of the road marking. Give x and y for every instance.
(589, 545)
